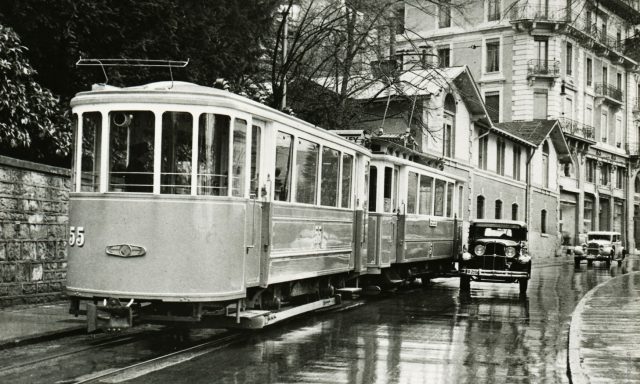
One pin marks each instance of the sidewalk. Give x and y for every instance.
(31, 324)
(604, 336)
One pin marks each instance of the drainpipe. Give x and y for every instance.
(527, 194)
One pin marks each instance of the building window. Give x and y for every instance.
(492, 102)
(588, 216)
(444, 57)
(480, 207)
(500, 156)
(498, 209)
(620, 175)
(449, 126)
(493, 56)
(604, 126)
(604, 174)
(514, 211)
(569, 60)
(619, 81)
(444, 15)
(589, 72)
(517, 154)
(591, 170)
(567, 170)
(543, 221)
(493, 10)
(399, 19)
(545, 165)
(540, 102)
(605, 75)
(542, 53)
(483, 146)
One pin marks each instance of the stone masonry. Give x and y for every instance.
(34, 205)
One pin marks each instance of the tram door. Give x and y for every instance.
(254, 209)
(383, 220)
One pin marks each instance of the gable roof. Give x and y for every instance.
(536, 132)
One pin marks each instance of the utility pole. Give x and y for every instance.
(285, 20)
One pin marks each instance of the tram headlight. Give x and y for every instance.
(479, 250)
(510, 251)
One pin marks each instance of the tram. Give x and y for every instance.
(193, 205)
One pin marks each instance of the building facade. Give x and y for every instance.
(558, 60)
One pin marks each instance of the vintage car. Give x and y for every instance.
(496, 252)
(602, 246)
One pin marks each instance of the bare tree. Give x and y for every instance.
(323, 54)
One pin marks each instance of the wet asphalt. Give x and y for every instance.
(424, 335)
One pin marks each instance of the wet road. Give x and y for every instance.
(423, 336)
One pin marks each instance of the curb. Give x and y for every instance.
(574, 367)
(40, 337)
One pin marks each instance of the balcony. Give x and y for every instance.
(611, 94)
(577, 129)
(633, 149)
(538, 13)
(543, 68)
(588, 33)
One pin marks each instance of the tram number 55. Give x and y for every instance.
(76, 236)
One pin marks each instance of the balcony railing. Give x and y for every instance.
(607, 90)
(538, 67)
(538, 13)
(579, 22)
(577, 128)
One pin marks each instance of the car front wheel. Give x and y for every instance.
(523, 287)
(465, 284)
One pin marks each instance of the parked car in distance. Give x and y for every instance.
(602, 246)
(497, 252)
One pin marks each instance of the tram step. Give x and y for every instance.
(350, 292)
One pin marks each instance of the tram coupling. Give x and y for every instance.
(110, 315)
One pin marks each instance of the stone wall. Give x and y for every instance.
(33, 231)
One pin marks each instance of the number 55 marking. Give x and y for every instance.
(76, 236)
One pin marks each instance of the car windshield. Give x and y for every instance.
(599, 236)
(498, 232)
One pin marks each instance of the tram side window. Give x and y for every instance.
(177, 143)
(282, 181)
(329, 177)
(131, 141)
(347, 169)
(426, 192)
(256, 139)
(388, 189)
(373, 188)
(439, 198)
(239, 156)
(91, 150)
(307, 154)
(449, 199)
(412, 193)
(213, 154)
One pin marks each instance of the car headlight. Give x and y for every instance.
(466, 256)
(479, 250)
(510, 251)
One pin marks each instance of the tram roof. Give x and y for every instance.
(185, 93)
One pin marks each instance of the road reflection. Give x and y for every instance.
(423, 336)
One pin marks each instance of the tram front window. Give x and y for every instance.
(91, 149)
(213, 155)
(131, 151)
(177, 138)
